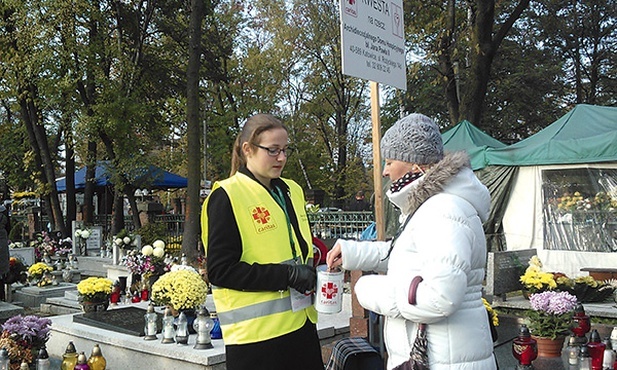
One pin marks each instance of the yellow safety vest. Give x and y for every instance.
(248, 317)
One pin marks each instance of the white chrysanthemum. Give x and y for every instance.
(178, 267)
(147, 250)
(159, 244)
(85, 234)
(118, 241)
(126, 240)
(158, 252)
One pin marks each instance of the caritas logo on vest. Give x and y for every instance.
(261, 219)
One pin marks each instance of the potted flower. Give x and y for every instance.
(23, 336)
(180, 289)
(124, 240)
(587, 289)
(550, 318)
(38, 274)
(535, 279)
(31, 329)
(17, 271)
(94, 293)
(149, 264)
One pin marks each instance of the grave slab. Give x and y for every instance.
(129, 320)
(33, 296)
(8, 310)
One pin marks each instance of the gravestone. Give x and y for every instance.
(128, 320)
(504, 269)
(95, 241)
(25, 255)
(92, 244)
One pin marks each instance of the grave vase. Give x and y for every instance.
(94, 306)
(548, 347)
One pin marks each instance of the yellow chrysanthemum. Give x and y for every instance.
(491, 311)
(94, 288)
(181, 289)
(38, 269)
(535, 279)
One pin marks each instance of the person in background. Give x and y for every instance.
(260, 256)
(359, 203)
(435, 265)
(5, 228)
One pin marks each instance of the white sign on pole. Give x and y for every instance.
(373, 41)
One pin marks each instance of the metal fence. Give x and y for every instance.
(324, 225)
(332, 225)
(174, 229)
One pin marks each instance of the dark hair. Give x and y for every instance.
(252, 129)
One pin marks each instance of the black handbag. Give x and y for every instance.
(418, 357)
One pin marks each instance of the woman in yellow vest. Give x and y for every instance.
(258, 244)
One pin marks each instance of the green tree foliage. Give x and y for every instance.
(584, 35)
(327, 112)
(460, 40)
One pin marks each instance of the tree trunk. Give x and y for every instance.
(117, 222)
(191, 224)
(129, 191)
(446, 65)
(69, 176)
(484, 45)
(88, 209)
(39, 144)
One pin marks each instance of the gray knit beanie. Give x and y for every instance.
(413, 139)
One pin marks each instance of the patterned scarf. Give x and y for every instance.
(407, 179)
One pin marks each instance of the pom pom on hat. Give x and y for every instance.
(413, 139)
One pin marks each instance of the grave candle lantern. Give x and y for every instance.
(150, 327)
(524, 348)
(581, 324)
(182, 332)
(168, 327)
(203, 324)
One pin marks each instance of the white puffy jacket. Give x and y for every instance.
(444, 243)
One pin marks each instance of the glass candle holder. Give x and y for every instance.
(596, 350)
(150, 327)
(203, 324)
(524, 347)
(182, 331)
(581, 324)
(168, 327)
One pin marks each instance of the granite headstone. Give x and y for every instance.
(128, 320)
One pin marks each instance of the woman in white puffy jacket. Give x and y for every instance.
(441, 243)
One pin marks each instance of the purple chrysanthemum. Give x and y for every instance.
(553, 303)
(31, 328)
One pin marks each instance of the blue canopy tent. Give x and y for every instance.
(152, 178)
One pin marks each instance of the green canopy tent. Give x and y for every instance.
(586, 134)
(465, 136)
(560, 201)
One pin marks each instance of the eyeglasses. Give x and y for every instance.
(274, 152)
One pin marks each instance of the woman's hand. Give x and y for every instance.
(334, 257)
